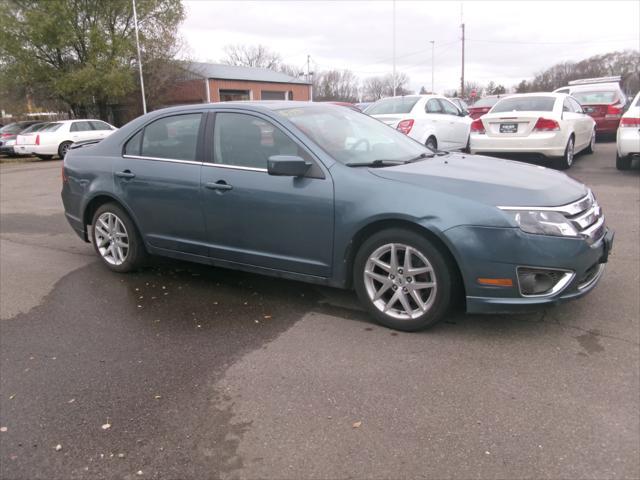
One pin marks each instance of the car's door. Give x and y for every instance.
(575, 123)
(457, 126)
(436, 122)
(157, 177)
(585, 120)
(253, 218)
(101, 129)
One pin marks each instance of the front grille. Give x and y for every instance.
(586, 216)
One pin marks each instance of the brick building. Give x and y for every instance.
(212, 82)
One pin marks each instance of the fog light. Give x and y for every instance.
(542, 281)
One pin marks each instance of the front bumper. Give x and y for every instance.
(497, 253)
(546, 144)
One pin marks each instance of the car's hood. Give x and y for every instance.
(488, 180)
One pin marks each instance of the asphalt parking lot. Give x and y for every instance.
(184, 371)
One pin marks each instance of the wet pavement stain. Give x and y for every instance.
(590, 341)
(142, 352)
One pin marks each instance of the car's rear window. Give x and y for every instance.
(486, 102)
(52, 127)
(392, 105)
(601, 97)
(524, 104)
(11, 128)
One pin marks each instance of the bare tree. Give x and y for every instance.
(376, 88)
(251, 56)
(336, 85)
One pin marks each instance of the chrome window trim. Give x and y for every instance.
(557, 288)
(570, 209)
(158, 159)
(235, 167)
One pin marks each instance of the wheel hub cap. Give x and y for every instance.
(111, 238)
(400, 281)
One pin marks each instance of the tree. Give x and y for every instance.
(83, 54)
(625, 64)
(491, 87)
(335, 85)
(376, 88)
(499, 90)
(251, 56)
(423, 91)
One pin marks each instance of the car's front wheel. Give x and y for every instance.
(116, 239)
(403, 280)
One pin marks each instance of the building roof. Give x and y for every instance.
(233, 72)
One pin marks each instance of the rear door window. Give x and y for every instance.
(174, 137)
(433, 106)
(449, 108)
(100, 125)
(81, 127)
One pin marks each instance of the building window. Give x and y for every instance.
(271, 95)
(232, 95)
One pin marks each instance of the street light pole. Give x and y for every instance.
(433, 48)
(394, 48)
(135, 23)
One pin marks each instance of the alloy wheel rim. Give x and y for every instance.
(65, 149)
(570, 152)
(400, 281)
(111, 238)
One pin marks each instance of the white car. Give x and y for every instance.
(57, 137)
(551, 125)
(628, 136)
(26, 139)
(430, 119)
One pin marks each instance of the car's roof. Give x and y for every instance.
(537, 94)
(251, 105)
(595, 87)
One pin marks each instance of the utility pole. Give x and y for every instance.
(135, 23)
(462, 77)
(433, 49)
(309, 78)
(394, 48)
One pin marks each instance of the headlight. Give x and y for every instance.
(543, 222)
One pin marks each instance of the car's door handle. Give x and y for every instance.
(125, 174)
(219, 185)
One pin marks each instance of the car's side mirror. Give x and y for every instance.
(287, 166)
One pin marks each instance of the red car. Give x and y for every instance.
(483, 105)
(604, 104)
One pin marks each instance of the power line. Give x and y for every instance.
(516, 42)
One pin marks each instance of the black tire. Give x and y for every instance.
(136, 253)
(437, 299)
(592, 142)
(623, 163)
(45, 157)
(565, 161)
(432, 143)
(63, 148)
(467, 148)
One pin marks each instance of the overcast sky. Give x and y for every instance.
(506, 41)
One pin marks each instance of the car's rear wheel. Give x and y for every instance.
(116, 239)
(403, 280)
(623, 163)
(63, 148)
(565, 162)
(432, 143)
(45, 157)
(592, 142)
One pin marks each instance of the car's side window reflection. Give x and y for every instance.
(247, 141)
(172, 137)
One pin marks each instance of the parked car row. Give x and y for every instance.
(48, 139)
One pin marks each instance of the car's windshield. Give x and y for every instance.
(524, 104)
(486, 102)
(392, 105)
(353, 138)
(603, 97)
